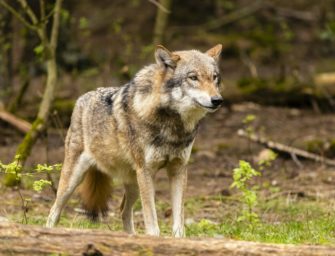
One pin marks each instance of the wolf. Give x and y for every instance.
(133, 131)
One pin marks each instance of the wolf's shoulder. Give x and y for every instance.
(97, 94)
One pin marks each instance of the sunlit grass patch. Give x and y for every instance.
(73, 221)
(295, 222)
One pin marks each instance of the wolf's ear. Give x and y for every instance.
(165, 58)
(215, 52)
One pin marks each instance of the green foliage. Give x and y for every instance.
(15, 168)
(328, 33)
(83, 23)
(39, 50)
(267, 161)
(48, 168)
(241, 176)
(40, 184)
(249, 119)
(65, 15)
(204, 227)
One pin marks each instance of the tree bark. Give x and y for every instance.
(16, 239)
(161, 21)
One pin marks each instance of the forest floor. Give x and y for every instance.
(296, 198)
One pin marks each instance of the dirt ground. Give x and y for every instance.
(216, 153)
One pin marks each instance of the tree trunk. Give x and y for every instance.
(161, 21)
(18, 239)
(40, 122)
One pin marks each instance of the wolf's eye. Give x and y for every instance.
(193, 77)
(215, 76)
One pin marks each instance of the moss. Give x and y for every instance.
(28, 141)
(315, 146)
(24, 149)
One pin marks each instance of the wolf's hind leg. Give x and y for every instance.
(72, 174)
(129, 198)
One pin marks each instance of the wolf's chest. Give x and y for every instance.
(163, 155)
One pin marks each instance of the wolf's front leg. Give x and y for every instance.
(147, 194)
(178, 181)
(129, 198)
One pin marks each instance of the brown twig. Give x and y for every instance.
(24, 205)
(18, 123)
(285, 149)
(17, 15)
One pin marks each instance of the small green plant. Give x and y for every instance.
(203, 228)
(241, 175)
(15, 168)
(267, 160)
(247, 121)
(38, 185)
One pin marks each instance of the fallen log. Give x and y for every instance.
(18, 123)
(16, 239)
(295, 152)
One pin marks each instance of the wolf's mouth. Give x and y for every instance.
(211, 108)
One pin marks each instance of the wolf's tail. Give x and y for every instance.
(95, 190)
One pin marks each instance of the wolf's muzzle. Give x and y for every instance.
(216, 101)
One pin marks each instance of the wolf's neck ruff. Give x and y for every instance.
(164, 125)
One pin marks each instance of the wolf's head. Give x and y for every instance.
(192, 79)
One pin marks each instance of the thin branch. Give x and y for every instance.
(158, 5)
(29, 11)
(248, 62)
(46, 18)
(234, 16)
(40, 28)
(55, 25)
(17, 15)
(24, 205)
(42, 10)
(286, 149)
(18, 123)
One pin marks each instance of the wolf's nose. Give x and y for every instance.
(216, 101)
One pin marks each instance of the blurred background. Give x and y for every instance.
(273, 50)
(277, 64)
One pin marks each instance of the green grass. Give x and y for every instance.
(282, 220)
(319, 231)
(296, 222)
(76, 221)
